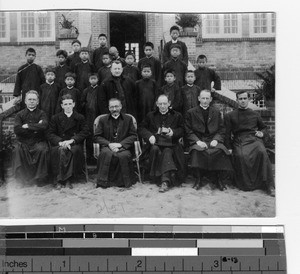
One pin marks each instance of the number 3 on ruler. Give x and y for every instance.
(216, 263)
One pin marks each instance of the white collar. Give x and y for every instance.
(50, 83)
(190, 85)
(69, 114)
(174, 41)
(70, 87)
(205, 108)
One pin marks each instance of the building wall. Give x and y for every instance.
(99, 21)
(154, 26)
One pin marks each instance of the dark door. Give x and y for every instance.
(127, 32)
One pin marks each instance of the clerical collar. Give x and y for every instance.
(94, 86)
(84, 61)
(115, 117)
(49, 83)
(31, 109)
(149, 57)
(69, 114)
(62, 65)
(205, 108)
(190, 85)
(164, 113)
(70, 87)
(174, 41)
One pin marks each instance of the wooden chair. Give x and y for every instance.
(137, 146)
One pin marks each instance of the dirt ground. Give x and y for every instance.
(141, 200)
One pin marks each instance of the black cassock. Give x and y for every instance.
(167, 154)
(67, 163)
(83, 71)
(48, 98)
(155, 68)
(190, 94)
(179, 67)
(115, 168)
(204, 78)
(60, 72)
(97, 56)
(252, 166)
(31, 154)
(72, 60)
(174, 94)
(131, 72)
(76, 95)
(103, 73)
(29, 77)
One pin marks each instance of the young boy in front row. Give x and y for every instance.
(104, 71)
(130, 69)
(89, 107)
(70, 89)
(172, 91)
(83, 70)
(61, 69)
(146, 90)
(154, 62)
(190, 92)
(176, 64)
(49, 93)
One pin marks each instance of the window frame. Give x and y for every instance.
(269, 32)
(7, 28)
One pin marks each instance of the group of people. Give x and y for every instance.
(160, 102)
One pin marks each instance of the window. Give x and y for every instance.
(4, 27)
(36, 26)
(273, 22)
(262, 24)
(221, 25)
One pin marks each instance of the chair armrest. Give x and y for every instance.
(137, 149)
(96, 150)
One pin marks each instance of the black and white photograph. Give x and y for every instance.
(130, 114)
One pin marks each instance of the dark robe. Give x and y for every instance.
(207, 125)
(115, 168)
(190, 96)
(204, 77)
(166, 56)
(97, 56)
(72, 60)
(83, 71)
(31, 153)
(48, 98)
(103, 73)
(29, 77)
(76, 95)
(167, 154)
(122, 88)
(90, 110)
(155, 68)
(174, 94)
(252, 166)
(122, 60)
(131, 72)
(60, 72)
(66, 163)
(146, 91)
(179, 68)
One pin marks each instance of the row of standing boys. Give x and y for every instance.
(93, 79)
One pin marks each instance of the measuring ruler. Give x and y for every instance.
(141, 249)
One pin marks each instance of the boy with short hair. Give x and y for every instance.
(190, 92)
(146, 90)
(83, 70)
(205, 76)
(154, 62)
(172, 90)
(29, 77)
(49, 93)
(104, 71)
(89, 107)
(176, 64)
(98, 52)
(74, 58)
(130, 69)
(70, 89)
(114, 53)
(61, 69)
(174, 33)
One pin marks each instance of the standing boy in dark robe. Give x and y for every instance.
(206, 76)
(98, 52)
(116, 134)
(83, 70)
(130, 70)
(29, 77)
(172, 91)
(190, 92)
(174, 32)
(70, 89)
(74, 58)
(104, 72)
(146, 91)
(49, 93)
(154, 62)
(161, 130)
(90, 110)
(114, 53)
(252, 166)
(176, 64)
(205, 133)
(66, 134)
(31, 153)
(61, 69)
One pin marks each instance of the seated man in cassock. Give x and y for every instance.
(116, 135)
(31, 154)
(67, 132)
(162, 129)
(245, 130)
(205, 133)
